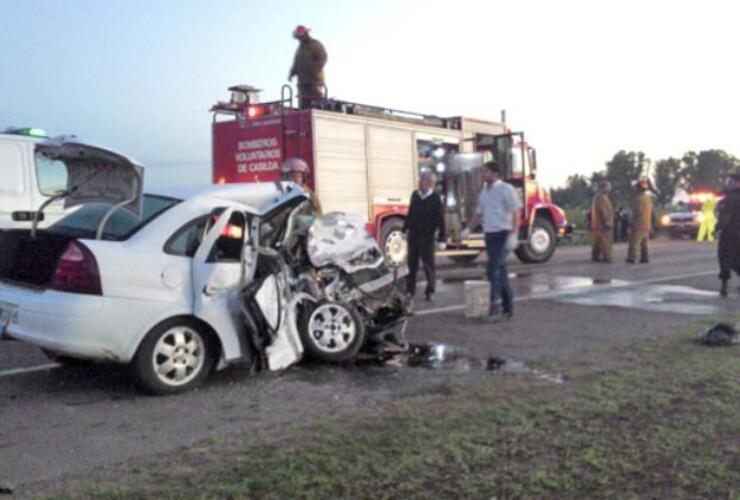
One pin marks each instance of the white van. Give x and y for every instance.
(27, 180)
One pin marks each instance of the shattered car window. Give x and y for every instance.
(228, 247)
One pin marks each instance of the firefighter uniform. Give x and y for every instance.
(729, 236)
(708, 220)
(642, 218)
(602, 219)
(308, 66)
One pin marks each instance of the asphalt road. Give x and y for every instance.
(58, 422)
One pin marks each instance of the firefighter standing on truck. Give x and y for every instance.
(641, 223)
(297, 171)
(728, 225)
(602, 222)
(308, 66)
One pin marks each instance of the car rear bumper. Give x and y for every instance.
(82, 326)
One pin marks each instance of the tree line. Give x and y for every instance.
(693, 171)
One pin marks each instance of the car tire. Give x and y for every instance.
(175, 356)
(463, 260)
(541, 243)
(393, 242)
(331, 331)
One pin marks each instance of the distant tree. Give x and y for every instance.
(577, 193)
(622, 170)
(708, 169)
(669, 174)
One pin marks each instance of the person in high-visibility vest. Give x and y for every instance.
(708, 220)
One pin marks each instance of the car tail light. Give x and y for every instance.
(77, 271)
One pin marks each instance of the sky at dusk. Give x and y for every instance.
(582, 79)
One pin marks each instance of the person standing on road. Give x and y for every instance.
(308, 66)
(424, 227)
(498, 210)
(297, 171)
(728, 225)
(641, 223)
(708, 220)
(602, 222)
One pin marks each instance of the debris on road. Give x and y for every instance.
(720, 335)
(494, 363)
(6, 488)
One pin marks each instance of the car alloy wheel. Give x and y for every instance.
(332, 328)
(178, 356)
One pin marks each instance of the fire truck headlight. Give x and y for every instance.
(665, 220)
(441, 168)
(439, 153)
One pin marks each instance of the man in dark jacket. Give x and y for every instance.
(424, 226)
(728, 225)
(308, 66)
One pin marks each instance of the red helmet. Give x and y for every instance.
(300, 31)
(295, 165)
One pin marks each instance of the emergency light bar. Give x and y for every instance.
(27, 131)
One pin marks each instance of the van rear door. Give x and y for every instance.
(15, 196)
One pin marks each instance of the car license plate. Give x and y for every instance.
(8, 313)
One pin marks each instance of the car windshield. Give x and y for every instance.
(84, 222)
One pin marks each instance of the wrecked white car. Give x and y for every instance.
(175, 286)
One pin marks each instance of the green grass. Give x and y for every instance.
(657, 419)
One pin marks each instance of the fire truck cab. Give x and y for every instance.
(366, 160)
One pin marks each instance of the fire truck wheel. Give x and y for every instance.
(393, 242)
(331, 331)
(541, 244)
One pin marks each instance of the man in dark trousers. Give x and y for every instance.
(308, 66)
(498, 211)
(728, 225)
(424, 227)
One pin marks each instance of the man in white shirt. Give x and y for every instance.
(498, 210)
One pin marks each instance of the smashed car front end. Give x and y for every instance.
(329, 285)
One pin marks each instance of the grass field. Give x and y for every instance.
(656, 419)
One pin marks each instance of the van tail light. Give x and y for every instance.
(77, 271)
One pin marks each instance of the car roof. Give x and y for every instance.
(256, 197)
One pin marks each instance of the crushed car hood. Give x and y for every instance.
(96, 174)
(343, 240)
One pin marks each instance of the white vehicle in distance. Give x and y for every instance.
(28, 180)
(173, 287)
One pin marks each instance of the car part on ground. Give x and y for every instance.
(720, 335)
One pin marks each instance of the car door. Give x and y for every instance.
(222, 265)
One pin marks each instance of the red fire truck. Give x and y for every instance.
(366, 160)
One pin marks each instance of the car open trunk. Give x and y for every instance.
(28, 261)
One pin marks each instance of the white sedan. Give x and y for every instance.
(174, 287)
